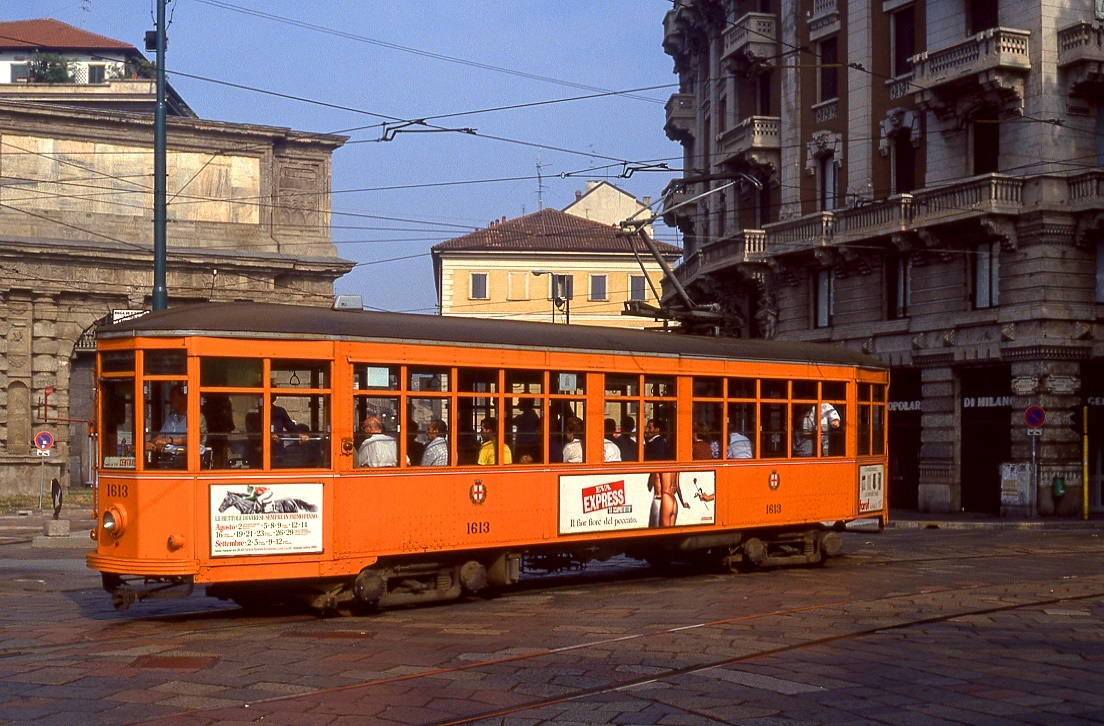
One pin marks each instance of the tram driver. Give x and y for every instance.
(168, 448)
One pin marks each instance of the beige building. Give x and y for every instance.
(509, 270)
(603, 202)
(930, 191)
(248, 219)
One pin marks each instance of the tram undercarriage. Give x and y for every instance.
(412, 582)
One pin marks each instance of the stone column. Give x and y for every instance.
(940, 489)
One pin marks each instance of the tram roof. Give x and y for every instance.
(267, 320)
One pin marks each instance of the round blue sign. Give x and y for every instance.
(44, 440)
(1034, 416)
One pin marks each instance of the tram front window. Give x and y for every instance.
(167, 425)
(117, 423)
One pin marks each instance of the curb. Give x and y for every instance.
(74, 541)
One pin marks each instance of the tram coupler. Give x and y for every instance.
(124, 593)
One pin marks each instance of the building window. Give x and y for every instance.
(823, 298)
(981, 15)
(898, 277)
(563, 286)
(598, 287)
(20, 72)
(985, 140)
(904, 40)
(827, 182)
(903, 161)
(96, 72)
(829, 73)
(986, 277)
(638, 287)
(478, 289)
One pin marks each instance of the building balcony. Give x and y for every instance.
(676, 193)
(1081, 58)
(992, 63)
(682, 115)
(751, 40)
(748, 246)
(756, 140)
(824, 20)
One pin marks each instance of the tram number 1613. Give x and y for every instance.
(479, 527)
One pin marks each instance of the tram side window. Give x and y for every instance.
(232, 442)
(433, 417)
(117, 419)
(300, 374)
(819, 423)
(527, 430)
(834, 394)
(562, 413)
(741, 431)
(708, 417)
(299, 431)
(660, 435)
(230, 372)
(377, 431)
(774, 433)
(167, 428)
(165, 363)
(872, 417)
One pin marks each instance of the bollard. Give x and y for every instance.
(1059, 485)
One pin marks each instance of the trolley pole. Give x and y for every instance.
(160, 291)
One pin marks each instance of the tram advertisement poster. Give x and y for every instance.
(626, 501)
(871, 488)
(265, 519)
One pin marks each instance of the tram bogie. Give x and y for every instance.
(503, 449)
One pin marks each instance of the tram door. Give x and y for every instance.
(904, 438)
(985, 436)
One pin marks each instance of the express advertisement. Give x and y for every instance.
(265, 519)
(624, 501)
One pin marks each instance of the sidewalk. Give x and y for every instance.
(908, 519)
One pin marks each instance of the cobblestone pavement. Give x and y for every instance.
(911, 625)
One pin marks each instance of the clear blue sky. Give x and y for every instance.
(418, 59)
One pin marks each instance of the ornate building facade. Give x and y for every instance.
(924, 182)
(248, 219)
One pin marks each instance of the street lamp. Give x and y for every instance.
(558, 301)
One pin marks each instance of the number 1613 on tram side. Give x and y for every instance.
(350, 459)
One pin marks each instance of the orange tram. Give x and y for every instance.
(347, 459)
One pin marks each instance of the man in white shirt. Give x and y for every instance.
(378, 449)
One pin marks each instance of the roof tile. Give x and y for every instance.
(550, 230)
(53, 35)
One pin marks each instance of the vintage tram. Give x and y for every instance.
(344, 459)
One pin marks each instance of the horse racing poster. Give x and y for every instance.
(624, 501)
(265, 519)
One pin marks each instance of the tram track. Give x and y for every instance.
(532, 584)
(855, 604)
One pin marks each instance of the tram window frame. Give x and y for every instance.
(660, 404)
(872, 417)
(228, 372)
(415, 407)
(376, 377)
(117, 433)
(775, 437)
(307, 448)
(619, 404)
(474, 405)
(157, 396)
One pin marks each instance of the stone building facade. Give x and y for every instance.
(248, 219)
(924, 182)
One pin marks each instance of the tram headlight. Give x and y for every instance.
(114, 520)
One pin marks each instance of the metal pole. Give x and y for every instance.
(160, 291)
(1034, 478)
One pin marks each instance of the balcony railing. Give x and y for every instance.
(989, 50)
(1082, 42)
(757, 136)
(975, 198)
(754, 36)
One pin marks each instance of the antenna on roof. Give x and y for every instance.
(540, 184)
